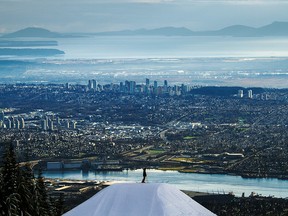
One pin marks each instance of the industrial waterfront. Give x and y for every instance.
(212, 183)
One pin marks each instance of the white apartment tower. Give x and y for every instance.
(250, 94)
(22, 123)
(240, 93)
(50, 124)
(44, 124)
(2, 116)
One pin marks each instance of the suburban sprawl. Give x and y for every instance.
(232, 130)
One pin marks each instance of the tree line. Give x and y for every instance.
(21, 193)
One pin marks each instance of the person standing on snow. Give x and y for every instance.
(144, 175)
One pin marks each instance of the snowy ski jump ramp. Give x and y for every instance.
(137, 199)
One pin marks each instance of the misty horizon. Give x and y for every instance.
(148, 29)
(112, 15)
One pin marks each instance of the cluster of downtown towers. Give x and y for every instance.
(131, 87)
(127, 87)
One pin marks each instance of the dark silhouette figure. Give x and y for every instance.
(144, 175)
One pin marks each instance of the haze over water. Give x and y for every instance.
(172, 47)
(224, 61)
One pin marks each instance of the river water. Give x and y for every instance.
(212, 183)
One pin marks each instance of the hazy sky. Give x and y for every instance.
(106, 15)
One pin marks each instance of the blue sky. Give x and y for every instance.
(109, 15)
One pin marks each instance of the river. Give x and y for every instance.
(212, 183)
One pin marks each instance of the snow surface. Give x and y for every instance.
(137, 199)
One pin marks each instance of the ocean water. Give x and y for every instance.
(172, 47)
(222, 61)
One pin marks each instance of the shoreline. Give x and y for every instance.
(180, 170)
(201, 182)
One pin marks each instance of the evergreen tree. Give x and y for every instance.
(10, 172)
(12, 203)
(2, 199)
(59, 206)
(22, 194)
(42, 202)
(9, 183)
(26, 190)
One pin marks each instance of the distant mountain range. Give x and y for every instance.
(34, 32)
(30, 52)
(273, 29)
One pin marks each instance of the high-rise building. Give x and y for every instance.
(184, 89)
(50, 125)
(74, 125)
(47, 119)
(13, 123)
(165, 87)
(240, 93)
(89, 84)
(94, 84)
(121, 88)
(58, 121)
(99, 88)
(16, 124)
(155, 85)
(132, 86)
(145, 89)
(2, 116)
(67, 124)
(250, 94)
(44, 124)
(165, 83)
(9, 124)
(67, 85)
(22, 123)
(127, 86)
(147, 82)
